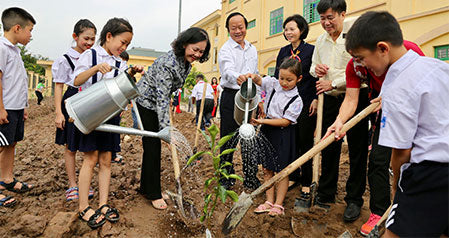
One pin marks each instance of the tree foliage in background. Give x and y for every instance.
(190, 80)
(30, 61)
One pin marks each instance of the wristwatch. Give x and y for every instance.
(333, 85)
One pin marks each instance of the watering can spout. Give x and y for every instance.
(164, 134)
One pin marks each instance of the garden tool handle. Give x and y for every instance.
(314, 150)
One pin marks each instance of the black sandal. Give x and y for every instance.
(111, 211)
(4, 201)
(10, 186)
(92, 222)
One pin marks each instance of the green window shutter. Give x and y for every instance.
(442, 52)
(252, 24)
(309, 11)
(276, 20)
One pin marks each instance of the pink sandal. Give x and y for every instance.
(265, 207)
(276, 210)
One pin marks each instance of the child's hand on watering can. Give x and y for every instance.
(257, 121)
(135, 69)
(104, 68)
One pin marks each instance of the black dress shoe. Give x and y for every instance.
(352, 212)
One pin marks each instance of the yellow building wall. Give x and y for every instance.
(422, 21)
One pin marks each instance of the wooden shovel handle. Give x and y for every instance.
(315, 149)
(200, 116)
(318, 132)
(174, 153)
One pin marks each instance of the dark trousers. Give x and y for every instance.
(228, 124)
(305, 129)
(378, 175)
(39, 97)
(150, 179)
(358, 153)
(207, 111)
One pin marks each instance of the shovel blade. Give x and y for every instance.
(345, 234)
(237, 212)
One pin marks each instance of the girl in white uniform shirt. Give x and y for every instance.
(94, 65)
(283, 106)
(66, 133)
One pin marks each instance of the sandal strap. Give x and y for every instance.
(105, 205)
(9, 185)
(278, 207)
(85, 210)
(71, 190)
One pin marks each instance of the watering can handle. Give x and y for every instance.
(250, 88)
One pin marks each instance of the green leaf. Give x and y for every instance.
(222, 193)
(202, 218)
(233, 195)
(235, 176)
(225, 164)
(213, 131)
(207, 138)
(193, 157)
(223, 140)
(228, 151)
(208, 182)
(207, 198)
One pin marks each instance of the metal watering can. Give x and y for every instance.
(245, 102)
(90, 108)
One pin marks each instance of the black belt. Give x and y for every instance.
(230, 90)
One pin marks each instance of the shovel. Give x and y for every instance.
(375, 233)
(174, 153)
(200, 118)
(316, 158)
(240, 208)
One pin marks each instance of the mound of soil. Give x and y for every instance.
(43, 212)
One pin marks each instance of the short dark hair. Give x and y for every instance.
(336, 5)
(192, 35)
(302, 25)
(200, 76)
(293, 65)
(233, 15)
(13, 16)
(83, 25)
(115, 26)
(124, 55)
(371, 28)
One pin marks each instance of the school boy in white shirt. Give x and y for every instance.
(415, 123)
(17, 24)
(209, 103)
(237, 57)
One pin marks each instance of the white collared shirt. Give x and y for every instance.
(334, 55)
(61, 69)
(85, 62)
(233, 61)
(280, 99)
(197, 91)
(14, 76)
(415, 108)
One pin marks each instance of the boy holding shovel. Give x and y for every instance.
(415, 124)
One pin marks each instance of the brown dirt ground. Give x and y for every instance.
(39, 161)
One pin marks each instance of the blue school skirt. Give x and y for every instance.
(70, 135)
(284, 144)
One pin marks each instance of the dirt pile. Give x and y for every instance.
(43, 212)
